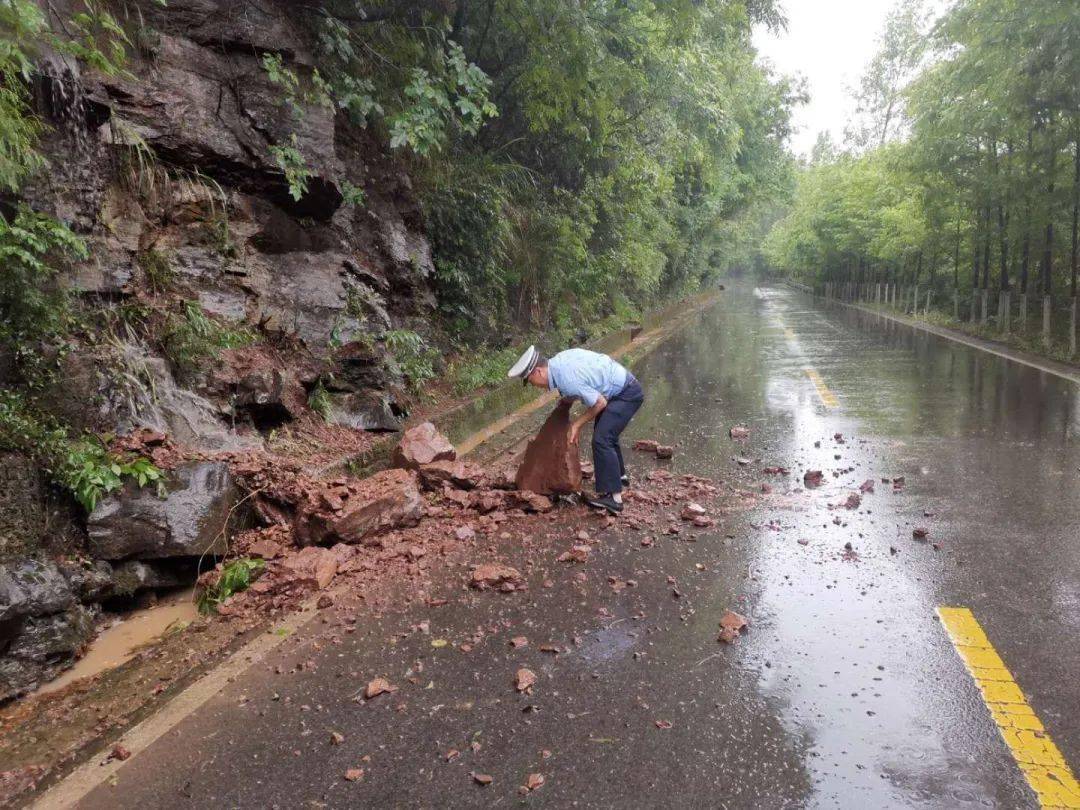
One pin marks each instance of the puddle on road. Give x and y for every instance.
(121, 641)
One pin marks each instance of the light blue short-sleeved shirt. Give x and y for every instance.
(585, 375)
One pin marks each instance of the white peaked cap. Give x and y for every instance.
(525, 364)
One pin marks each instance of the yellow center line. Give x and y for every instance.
(828, 398)
(1035, 753)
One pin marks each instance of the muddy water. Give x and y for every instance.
(123, 639)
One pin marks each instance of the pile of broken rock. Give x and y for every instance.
(313, 529)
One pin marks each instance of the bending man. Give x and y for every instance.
(611, 395)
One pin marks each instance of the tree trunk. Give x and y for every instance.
(956, 273)
(1074, 256)
(1048, 245)
(1025, 244)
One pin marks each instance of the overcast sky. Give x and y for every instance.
(829, 42)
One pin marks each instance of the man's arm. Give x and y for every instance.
(590, 414)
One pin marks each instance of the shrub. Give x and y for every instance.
(319, 401)
(191, 337)
(35, 316)
(157, 269)
(413, 355)
(235, 577)
(482, 368)
(83, 466)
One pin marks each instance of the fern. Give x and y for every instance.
(294, 167)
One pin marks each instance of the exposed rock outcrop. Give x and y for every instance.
(44, 646)
(189, 521)
(169, 173)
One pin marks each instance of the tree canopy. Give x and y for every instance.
(976, 184)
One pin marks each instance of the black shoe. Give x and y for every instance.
(603, 502)
(625, 481)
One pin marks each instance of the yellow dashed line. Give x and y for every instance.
(1039, 759)
(828, 398)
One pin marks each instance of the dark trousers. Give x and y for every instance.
(608, 463)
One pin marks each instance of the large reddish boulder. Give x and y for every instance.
(360, 509)
(421, 445)
(319, 565)
(552, 464)
(458, 474)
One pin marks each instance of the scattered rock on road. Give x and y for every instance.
(812, 479)
(692, 510)
(533, 781)
(378, 686)
(493, 575)
(577, 554)
(524, 680)
(731, 625)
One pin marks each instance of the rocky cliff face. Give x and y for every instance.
(169, 175)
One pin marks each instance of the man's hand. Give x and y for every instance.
(588, 416)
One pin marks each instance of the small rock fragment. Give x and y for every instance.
(493, 575)
(577, 554)
(524, 680)
(731, 625)
(378, 686)
(692, 510)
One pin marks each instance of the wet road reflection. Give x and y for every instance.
(846, 692)
(852, 646)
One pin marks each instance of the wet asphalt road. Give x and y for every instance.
(846, 692)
